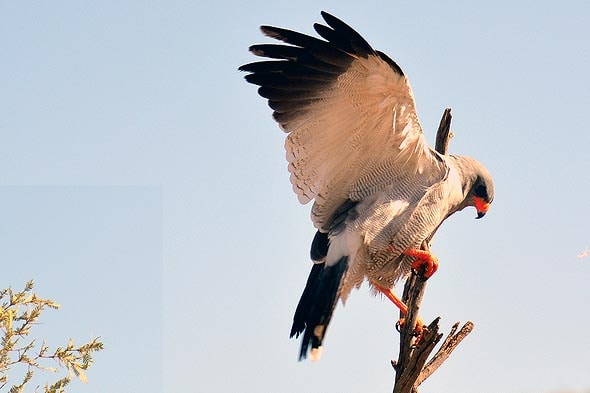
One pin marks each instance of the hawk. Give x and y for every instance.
(356, 148)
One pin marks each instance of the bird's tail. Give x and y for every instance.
(316, 306)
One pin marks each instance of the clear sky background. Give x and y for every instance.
(144, 187)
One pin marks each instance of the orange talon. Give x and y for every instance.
(425, 264)
(418, 328)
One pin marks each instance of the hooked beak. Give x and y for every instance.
(481, 206)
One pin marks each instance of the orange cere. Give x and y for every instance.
(481, 205)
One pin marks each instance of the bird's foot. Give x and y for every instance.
(418, 328)
(425, 264)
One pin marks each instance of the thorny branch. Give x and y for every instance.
(412, 368)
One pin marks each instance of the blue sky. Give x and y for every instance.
(144, 187)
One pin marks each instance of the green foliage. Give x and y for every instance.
(19, 312)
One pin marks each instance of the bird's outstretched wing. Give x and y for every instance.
(349, 111)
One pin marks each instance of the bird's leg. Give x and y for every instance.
(419, 328)
(393, 297)
(425, 264)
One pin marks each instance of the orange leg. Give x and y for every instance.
(419, 328)
(425, 264)
(393, 297)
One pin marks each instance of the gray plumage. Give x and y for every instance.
(356, 148)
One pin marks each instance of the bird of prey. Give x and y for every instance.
(356, 148)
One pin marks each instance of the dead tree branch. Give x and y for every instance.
(450, 343)
(444, 134)
(412, 368)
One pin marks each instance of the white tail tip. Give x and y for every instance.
(315, 354)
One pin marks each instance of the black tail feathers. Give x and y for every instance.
(317, 304)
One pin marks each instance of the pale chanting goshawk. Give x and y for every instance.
(355, 146)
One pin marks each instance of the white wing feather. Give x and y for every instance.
(349, 111)
(367, 119)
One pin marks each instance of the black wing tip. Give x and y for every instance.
(256, 50)
(248, 67)
(340, 41)
(390, 62)
(356, 41)
(327, 16)
(308, 62)
(272, 32)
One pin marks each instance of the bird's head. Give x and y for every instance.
(482, 194)
(478, 185)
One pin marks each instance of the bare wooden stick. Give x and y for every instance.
(412, 357)
(444, 134)
(416, 358)
(447, 347)
(411, 368)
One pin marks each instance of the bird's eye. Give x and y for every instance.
(481, 191)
